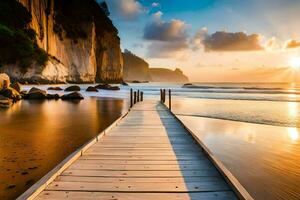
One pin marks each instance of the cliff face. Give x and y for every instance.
(135, 68)
(167, 75)
(87, 51)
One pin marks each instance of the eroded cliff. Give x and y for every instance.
(135, 68)
(81, 40)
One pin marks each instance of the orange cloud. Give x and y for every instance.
(290, 44)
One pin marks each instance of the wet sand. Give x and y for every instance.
(36, 135)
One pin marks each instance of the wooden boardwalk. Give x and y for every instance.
(149, 155)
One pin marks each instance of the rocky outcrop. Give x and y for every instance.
(167, 75)
(135, 68)
(87, 51)
(4, 81)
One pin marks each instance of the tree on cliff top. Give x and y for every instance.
(17, 41)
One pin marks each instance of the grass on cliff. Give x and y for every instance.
(17, 41)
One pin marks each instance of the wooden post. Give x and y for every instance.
(170, 103)
(131, 100)
(164, 95)
(138, 96)
(142, 96)
(134, 97)
(160, 95)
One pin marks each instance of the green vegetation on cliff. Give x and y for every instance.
(17, 41)
(72, 16)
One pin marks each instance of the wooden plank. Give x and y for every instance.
(61, 195)
(144, 162)
(144, 174)
(141, 157)
(176, 167)
(136, 180)
(212, 186)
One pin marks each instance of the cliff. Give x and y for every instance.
(167, 75)
(135, 68)
(81, 40)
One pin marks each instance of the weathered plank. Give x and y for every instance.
(59, 195)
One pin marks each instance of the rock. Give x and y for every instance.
(11, 94)
(53, 96)
(55, 88)
(136, 81)
(124, 83)
(102, 86)
(5, 102)
(91, 89)
(72, 88)
(114, 88)
(36, 93)
(4, 81)
(34, 89)
(107, 87)
(72, 96)
(187, 85)
(17, 86)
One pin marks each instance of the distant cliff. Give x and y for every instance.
(137, 69)
(82, 43)
(167, 75)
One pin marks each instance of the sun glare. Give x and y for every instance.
(294, 62)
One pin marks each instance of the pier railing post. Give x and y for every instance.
(138, 96)
(131, 100)
(142, 96)
(134, 97)
(170, 103)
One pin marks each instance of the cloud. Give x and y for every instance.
(125, 9)
(226, 41)
(167, 38)
(165, 31)
(196, 41)
(272, 44)
(290, 44)
(158, 49)
(155, 4)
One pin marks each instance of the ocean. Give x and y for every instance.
(253, 128)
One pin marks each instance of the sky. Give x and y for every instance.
(214, 40)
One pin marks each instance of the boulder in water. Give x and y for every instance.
(72, 88)
(17, 86)
(72, 96)
(91, 89)
(11, 93)
(5, 102)
(36, 93)
(102, 86)
(53, 96)
(55, 88)
(107, 87)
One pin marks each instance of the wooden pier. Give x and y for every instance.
(148, 154)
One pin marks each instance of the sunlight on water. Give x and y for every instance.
(293, 134)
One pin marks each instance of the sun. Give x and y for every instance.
(294, 62)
